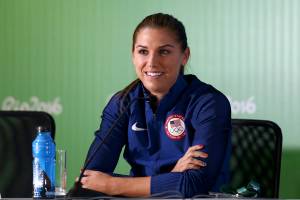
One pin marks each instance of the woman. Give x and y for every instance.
(175, 142)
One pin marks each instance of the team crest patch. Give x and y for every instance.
(175, 127)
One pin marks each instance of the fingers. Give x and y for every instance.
(193, 152)
(198, 163)
(198, 154)
(195, 148)
(195, 162)
(191, 166)
(88, 172)
(84, 180)
(191, 163)
(191, 159)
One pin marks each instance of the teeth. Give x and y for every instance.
(153, 74)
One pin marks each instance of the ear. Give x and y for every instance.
(186, 56)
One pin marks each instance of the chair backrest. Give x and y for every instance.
(17, 131)
(256, 155)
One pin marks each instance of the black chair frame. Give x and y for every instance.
(18, 129)
(265, 136)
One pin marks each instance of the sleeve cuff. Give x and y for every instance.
(166, 183)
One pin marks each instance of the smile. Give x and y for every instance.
(153, 74)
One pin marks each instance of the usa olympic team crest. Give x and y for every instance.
(175, 127)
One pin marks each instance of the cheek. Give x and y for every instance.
(138, 64)
(174, 68)
(138, 69)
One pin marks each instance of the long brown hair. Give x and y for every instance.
(158, 20)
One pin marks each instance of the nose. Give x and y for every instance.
(152, 60)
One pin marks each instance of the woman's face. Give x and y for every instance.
(158, 58)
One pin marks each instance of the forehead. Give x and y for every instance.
(155, 36)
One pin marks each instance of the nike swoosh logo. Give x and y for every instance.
(135, 128)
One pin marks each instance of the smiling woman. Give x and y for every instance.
(158, 59)
(176, 143)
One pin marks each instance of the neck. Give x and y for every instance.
(158, 97)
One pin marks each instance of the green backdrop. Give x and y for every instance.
(68, 57)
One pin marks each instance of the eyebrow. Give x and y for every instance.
(166, 45)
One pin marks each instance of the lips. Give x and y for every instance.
(153, 74)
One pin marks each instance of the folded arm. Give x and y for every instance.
(137, 186)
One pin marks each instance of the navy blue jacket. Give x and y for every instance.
(191, 113)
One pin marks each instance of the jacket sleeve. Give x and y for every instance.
(108, 154)
(212, 123)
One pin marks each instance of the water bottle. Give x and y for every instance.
(43, 151)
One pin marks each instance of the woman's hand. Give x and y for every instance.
(96, 180)
(189, 160)
(129, 186)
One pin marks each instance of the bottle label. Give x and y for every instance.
(41, 182)
(38, 180)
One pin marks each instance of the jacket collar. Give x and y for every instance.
(171, 97)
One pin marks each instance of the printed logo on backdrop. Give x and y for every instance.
(247, 106)
(33, 104)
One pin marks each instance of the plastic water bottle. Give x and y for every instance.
(43, 151)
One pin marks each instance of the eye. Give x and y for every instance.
(143, 51)
(164, 52)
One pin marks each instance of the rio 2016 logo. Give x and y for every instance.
(247, 106)
(34, 104)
